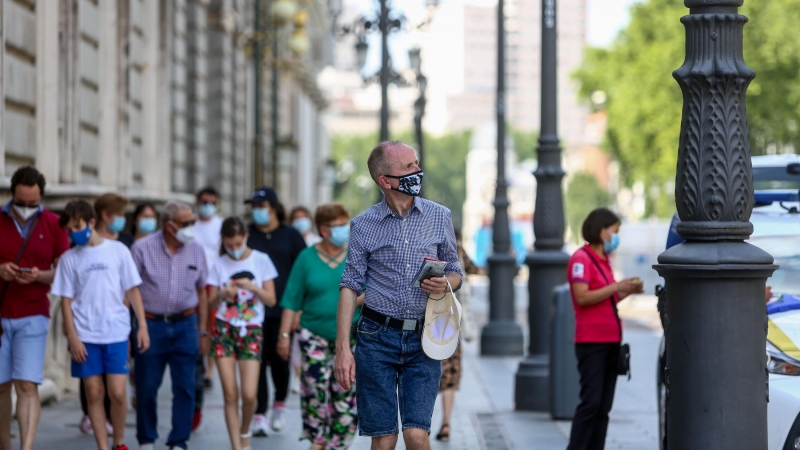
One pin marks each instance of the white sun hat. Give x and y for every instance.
(442, 325)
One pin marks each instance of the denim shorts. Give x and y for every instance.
(110, 359)
(22, 349)
(392, 372)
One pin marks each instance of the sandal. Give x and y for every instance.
(442, 436)
(247, 435)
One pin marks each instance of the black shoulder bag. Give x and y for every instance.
(16, 261)
(624, 361)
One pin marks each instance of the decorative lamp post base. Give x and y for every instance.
(715, 326)
(502, 336)
(548, 269)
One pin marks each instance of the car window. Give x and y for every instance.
(786, 251)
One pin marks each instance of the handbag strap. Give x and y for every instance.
(613, 297)
(6, 284)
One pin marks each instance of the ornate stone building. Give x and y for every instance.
(154, 99)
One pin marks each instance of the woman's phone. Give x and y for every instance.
(24, 269)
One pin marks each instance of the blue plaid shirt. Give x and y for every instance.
(386, 252)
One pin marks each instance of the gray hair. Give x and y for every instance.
(171, 209)
(378, 163)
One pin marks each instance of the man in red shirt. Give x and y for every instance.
(24, 305)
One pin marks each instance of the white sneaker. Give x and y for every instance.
(259, 426)
(109, 428)
(295, 384)
(278, 421)
(86, 425)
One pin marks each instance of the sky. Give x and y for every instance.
(604, 17)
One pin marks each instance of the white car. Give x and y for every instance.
(776, 223)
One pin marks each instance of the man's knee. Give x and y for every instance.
(384, 442)
(416, 439)
(5, 389)
(26, 389)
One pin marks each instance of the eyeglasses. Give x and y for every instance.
(186, 224)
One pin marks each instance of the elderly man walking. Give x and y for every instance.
(173, 271)
(388, 244)
(30, 244)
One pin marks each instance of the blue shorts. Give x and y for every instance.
(22, 349)
(103, 358)
(392, 372)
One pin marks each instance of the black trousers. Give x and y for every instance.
(597, 364)
(279, 367)
(85, 401)
(200, 378)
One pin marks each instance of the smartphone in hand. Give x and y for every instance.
(24, 270)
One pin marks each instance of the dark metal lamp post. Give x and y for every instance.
(715, 322)
(502, 336)
(415, 61)
(548, 262)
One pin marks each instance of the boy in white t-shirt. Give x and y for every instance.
(93, 279)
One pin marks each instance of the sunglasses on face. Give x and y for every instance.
(26, 205)
(184, 224)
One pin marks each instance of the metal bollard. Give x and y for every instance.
(564, 376)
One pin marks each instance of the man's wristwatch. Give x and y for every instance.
(285, 335)
(204, 333)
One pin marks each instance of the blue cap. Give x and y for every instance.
(263, 194)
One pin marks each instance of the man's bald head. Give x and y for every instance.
(380, 160)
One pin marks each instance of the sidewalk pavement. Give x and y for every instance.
(484, 417)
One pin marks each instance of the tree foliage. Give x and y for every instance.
(445, 166)
(584, 194)
(643, 101)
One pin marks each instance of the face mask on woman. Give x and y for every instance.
(610, 246)
(236, 254)
(302, 224)
(147, 225)
(340, 235)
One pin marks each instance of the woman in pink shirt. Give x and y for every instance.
(598, 330)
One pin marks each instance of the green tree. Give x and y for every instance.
(525, 143)
(445, 170)
(584, 194)
(643, 101)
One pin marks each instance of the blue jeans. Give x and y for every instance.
(175, 344)
(392, 371)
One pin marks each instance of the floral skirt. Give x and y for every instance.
(226, 340)
(451, 371)
(330, 414)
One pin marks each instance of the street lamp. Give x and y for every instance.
(715, 281)
(548, 262)
(419, 105)
(502, 336)
(385, 23)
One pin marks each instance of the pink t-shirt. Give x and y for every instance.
(594, 323)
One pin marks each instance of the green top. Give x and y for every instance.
(313, 288)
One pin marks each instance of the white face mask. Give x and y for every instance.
(185, 235)
(25, 212)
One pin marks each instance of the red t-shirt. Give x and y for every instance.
(594, 323)
(47, 243)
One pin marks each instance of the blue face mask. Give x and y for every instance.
(340, 235)
(208, 210)
(261, 216)
(147, 225)
(609, 247)
(117, 225)
(81, 238)
(302, 225)
(236, 254)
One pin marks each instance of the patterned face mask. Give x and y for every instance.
(410, 184)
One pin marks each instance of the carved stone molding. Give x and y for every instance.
(714, 184)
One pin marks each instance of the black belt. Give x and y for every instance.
(170, 318)
(391, 322)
